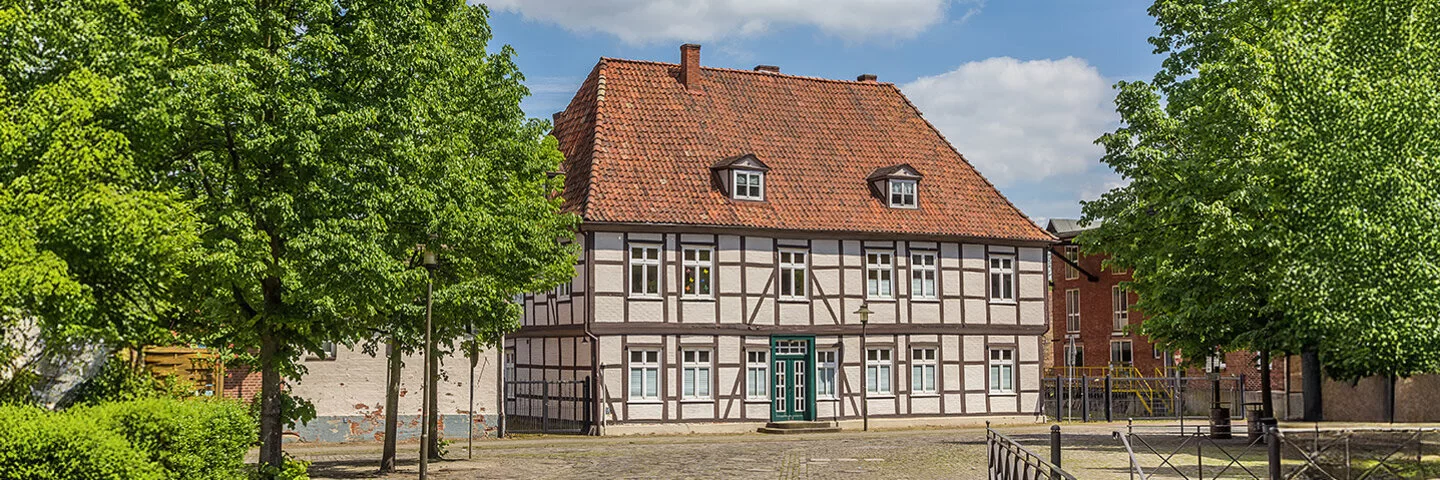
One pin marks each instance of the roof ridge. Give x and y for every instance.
(752, 72)
(950, 144)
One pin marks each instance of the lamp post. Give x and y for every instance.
(864, 313)
(429, 261)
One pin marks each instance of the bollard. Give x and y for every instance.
(1059, 400)
(1108, 388)
(1272, 444)
(1084, 398)
(1055, 445)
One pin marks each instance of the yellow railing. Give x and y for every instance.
(1126, 379)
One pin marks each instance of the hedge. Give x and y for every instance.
(144, 439)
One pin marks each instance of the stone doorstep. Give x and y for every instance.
(796, 427)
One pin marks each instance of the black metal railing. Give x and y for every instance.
(1360, 453)
(1110, 398)
(549, 406)
(1008, 460)
(1181, 451)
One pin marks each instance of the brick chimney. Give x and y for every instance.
(690, 66)
(867, 78)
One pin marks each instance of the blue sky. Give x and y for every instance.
(1021, 87)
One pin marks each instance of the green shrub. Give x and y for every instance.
(154, 438)
(40, 445)
(199, 439)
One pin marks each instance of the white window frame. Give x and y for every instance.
(1000, 363)
(875, 269)
(697, 369)
(827, 368)
(646, 361)
(879, 371)
(1120, 309)
(793, 262)
(1072, 253)
(759, 188)
(757, 375)
(699, 270)
(923, 275)
(649, 269)
(565, 290)
(923, 367)
(1072, 310)
(1129, 346)
(1001, 278)
(904, 193)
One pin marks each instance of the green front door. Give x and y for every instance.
(793, 364)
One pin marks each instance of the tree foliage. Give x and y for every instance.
(1284, 181)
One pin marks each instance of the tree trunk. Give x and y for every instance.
(1267, 404)
(432, 402)
(392, 404)
(271, 422)
(1311, 381)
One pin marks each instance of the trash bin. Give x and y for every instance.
(1253, 411)
(1220, 423)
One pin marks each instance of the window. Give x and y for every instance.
(1074, 355)
(825, 370)
(877, 371)
(757, 375)
(327, 352)
(879, 270)
(1072, 310)
(1072, 253)
(645, 271)
(922, 370)
(695, 374)
(902, 194)
(792, 274)
(1121, 353)
(749, 185)
(509, 364)
(1002, 278)
(564, 290)
(1159, 354)
(699, 269)
(644, 374)
(1002, 370)
(922, 275)
(1121, 301)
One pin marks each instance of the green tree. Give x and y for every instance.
(1282, 182)
(91, 247)
(321, 142)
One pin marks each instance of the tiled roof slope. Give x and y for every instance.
(639, 148)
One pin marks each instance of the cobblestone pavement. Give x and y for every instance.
(934, 453)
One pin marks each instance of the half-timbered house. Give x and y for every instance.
(734, 222)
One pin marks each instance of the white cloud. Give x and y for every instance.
(1020, 121)
(642, 21)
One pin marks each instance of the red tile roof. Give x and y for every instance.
(639, 148)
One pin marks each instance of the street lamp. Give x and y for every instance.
(864, 313)
(428, 260)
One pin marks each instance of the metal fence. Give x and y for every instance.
(553, 406)
(1007, 460)
(1192, 452)
(1112, 398)
(1167, 451)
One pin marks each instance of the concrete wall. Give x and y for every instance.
(1368, 400)
(349, 396)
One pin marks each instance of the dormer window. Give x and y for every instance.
(897, 185)
(741, 177)
(749, 185)
(902, 194)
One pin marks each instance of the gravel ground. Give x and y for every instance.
(1090, 452)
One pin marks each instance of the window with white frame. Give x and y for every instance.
(1072, 253)
(509, 364)
(1074, 355)
(749, 185)
(1072, 310)
(645, 270)
(757, 375)
(695, 374)
(879, 274)
(1120, 299)
(644, 374)
(1122, 352)
(792, 274)
(699, 266)
(902, 194)
(1002, 278)
(564, 290)
(1002, 370)
(878, 365)
(922, 370)
(922, 275)
(826, 367)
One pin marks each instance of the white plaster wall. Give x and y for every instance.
(354, 383)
